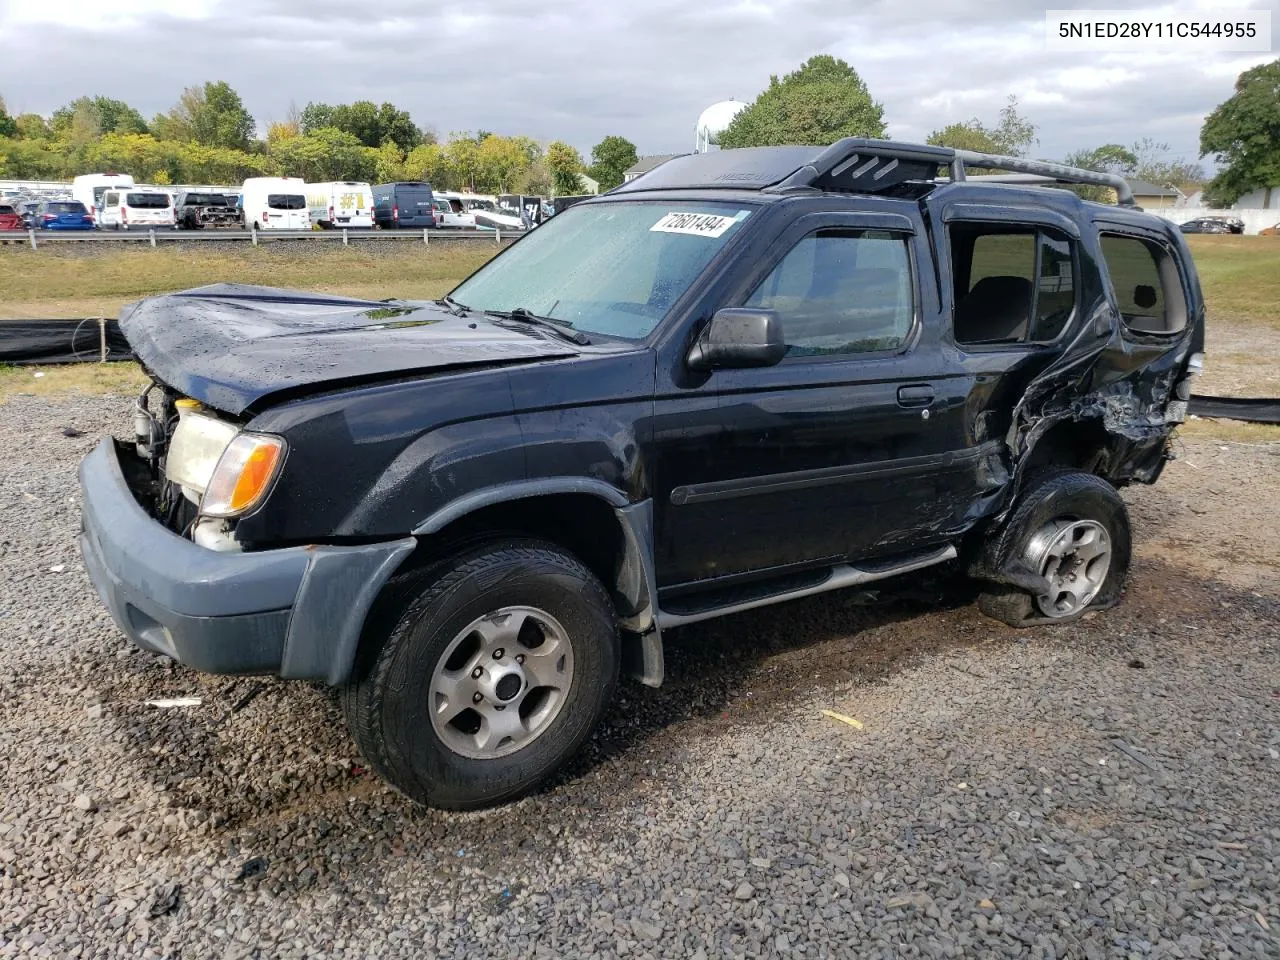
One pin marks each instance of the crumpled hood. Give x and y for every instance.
(230, 345)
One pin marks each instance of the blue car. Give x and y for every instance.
(62, 215)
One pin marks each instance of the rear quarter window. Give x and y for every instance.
(1146, 284)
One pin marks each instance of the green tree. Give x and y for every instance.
(388, 162)
(1011, 135)
(565, 165)
(499, 162)
(212, 115)
(138, 154)
(431, 163)
(462, 155)
(105, 114)
(32, 126)
(372, 125)
(1153, 164)
(8, 125)
(324, 154)
(1243, 134)
(1108, 158)
(821, 102)
(610, 159)
(536, 181)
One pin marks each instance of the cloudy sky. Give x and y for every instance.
(581, 69)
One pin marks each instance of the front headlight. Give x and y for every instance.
(243, 475)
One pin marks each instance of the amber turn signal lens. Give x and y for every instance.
(243, 475)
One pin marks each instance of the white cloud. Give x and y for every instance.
(581, 69)
(96, 15)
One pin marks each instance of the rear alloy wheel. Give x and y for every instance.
(1074, 556)
(481, 675)
(1069, 536)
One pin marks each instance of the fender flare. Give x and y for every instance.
(636, 581)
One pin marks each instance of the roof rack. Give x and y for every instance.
(1039, 171)
(859, 165)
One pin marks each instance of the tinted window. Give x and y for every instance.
(5, 208)
(841, 291)
(1145, 280)
(65, 206)
(1012, 284)
(148, 201)
(286, 201)
(206, 200)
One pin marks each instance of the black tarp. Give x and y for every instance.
(59, 341)
(1236, 408)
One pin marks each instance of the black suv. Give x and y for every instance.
(744, 377)
(197, 209)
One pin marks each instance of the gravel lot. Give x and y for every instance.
(1103, 789)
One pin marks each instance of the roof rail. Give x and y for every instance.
(860, 165)
(1039, 171)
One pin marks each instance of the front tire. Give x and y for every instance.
(482, 675)
(1070, 535)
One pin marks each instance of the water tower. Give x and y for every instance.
(713, 122)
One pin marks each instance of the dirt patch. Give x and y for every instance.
(1214, 513)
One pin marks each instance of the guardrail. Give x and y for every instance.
(346, 236)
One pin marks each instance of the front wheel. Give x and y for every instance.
(482, 675)
(1068, 542)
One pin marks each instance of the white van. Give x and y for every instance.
(88, 188)
(144, 208)
(343, 203)
(275, 203)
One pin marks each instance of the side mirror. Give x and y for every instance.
(739, 337)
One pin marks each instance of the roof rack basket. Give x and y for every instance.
(858, 165)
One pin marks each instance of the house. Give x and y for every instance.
(645, 164)
(587, 185)
(1151, 197)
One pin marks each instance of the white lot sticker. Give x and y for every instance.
(698, 224)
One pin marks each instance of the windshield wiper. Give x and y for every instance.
(453, 306)
(562, 328)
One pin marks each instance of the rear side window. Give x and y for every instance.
(148, 201)
(1013, 284)
(286, 201)
(1146, 283)
(841, 292)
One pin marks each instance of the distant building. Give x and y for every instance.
(1151, 197)
(588, 185)
(645, 164)
(1264, 198)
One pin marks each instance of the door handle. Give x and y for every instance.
(917, 396)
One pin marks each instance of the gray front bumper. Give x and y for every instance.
(296, 612)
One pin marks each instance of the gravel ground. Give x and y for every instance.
(1102, 789)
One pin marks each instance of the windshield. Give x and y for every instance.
(148, 200)
(286, 201)
(205, 200)
(611, 268)
(70, 206)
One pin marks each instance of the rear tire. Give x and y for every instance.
(1071, 531)
(482, 675)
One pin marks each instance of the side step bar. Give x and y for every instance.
(840, 577)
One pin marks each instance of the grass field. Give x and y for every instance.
(1240, 277)
(82, 283)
